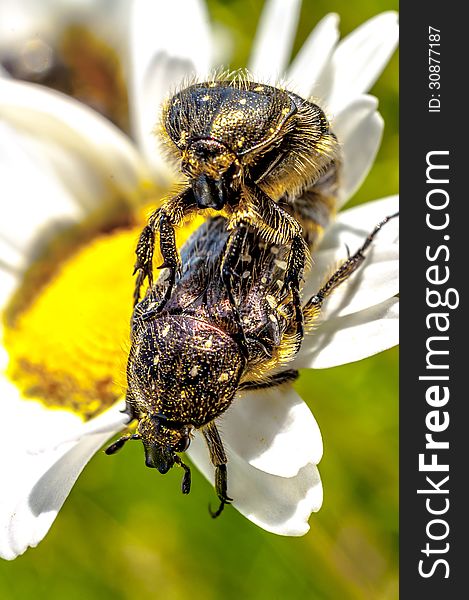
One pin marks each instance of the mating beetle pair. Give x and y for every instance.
(228, 317)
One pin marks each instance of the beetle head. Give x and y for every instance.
(213, 169)
(162, 440)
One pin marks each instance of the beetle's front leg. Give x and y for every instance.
(144, 264)
(312, 308)
(219, 460)
(221, 487)
(169, 253)
(163, 220)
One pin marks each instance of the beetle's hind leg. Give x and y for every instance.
(312, 308)
(163, 220)
(275, 225)
(293, 275)
(219, 460)
(230, 257)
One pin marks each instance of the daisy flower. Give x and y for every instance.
(75, 193)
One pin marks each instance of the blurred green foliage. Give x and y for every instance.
(126, 533)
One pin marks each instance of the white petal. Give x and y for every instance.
(46, 429)
(378, 277)
(111, 420)
(224, 43)
(20, 21)
(308, 65)
(281, 505)
(9, 280)
(359, 128)
(360, 58)
(109, 21)
(39, 481)
(274, 39)
(376, 280)
(354, 224)
(30, 20)
(341, 340)
(273, 430)
(37, 488)
(165, 74)
(33, 195)
(179, 28)
(273, 444)
(101, 149)
(170, 41)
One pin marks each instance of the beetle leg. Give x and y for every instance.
(312, 308)
(276, 226)
(293, 275)
(143, 265)
(271, 221)
(270, 380)
(186, 480)
(170, 255)
(219, 460)
(230, 257)
(163, 220)
(221, 483)
(118, 444)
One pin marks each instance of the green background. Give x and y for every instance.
(125, 532)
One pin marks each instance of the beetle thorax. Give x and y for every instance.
(183, 370)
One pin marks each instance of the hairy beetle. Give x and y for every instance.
(187, 362)
(261, 154)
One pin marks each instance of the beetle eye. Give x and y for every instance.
(183, 444)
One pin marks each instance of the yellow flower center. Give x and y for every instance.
(68, 342)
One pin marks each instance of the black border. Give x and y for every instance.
(421, 132)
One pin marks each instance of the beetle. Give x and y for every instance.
(187, 363)
(262, 155)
